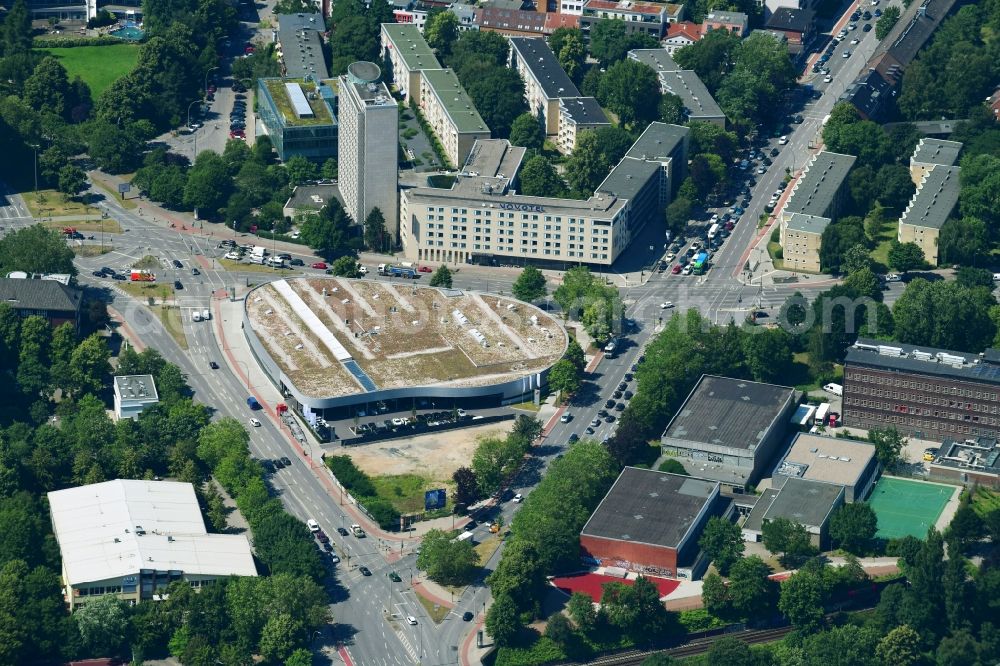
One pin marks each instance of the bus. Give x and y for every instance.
(700, 263)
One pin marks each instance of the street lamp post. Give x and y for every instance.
(194, 133)
(206, 80)
(34, 147)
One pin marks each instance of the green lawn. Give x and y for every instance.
(404, 491)
(98, 66)
(880, 255)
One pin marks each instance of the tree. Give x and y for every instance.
(715, 595)
(594, 155)
(865, 283)
(581, 609)
(671, 109)
(90, 363)
(632, 91)
(886, 22)
(300, 170)
(906, 256)
(441, 277)
(945, 314)
(767, 354)
(445, 560)
(722, 541)
(35, 249)
(750, 589)
(209, 185)
(564, 377)
(963, 240)
(329, 231)
(965, 529)
(496, 91)
(900, 647)
(856, 258)
(529, 285)
(441, 31)
(103, 623)
(519, 575)
(558, 629)
(801, 601)
(967, 276)
(837, 239)
(501, 620)
(526, 131)
(346, 267)
(635, 609)
(495, 458)
(72, 180)
(574, 354)
(853, 526)
(730, 652)
(466, 488)
(677, 214)
(539, 178)
(376, 236)
(673, 466)
(781, 535)
(33, 361)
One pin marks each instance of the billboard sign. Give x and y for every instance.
(435, 499)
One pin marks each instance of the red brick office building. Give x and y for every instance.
(923, 392)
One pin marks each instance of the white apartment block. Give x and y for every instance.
(482, 218)
(449, 111)
(367, 145)
(545, 81)
(577, 114)
(407, 54)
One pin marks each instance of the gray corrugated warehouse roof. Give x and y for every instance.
(735, 413)
(645, 506)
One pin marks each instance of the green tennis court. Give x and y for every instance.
(907, 507)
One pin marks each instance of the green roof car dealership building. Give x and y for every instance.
(336, 347)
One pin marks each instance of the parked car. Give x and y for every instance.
(467, 616)
(286, 461)
(519, 498)
(425, 269)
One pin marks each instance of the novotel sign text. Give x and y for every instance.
(528, 208)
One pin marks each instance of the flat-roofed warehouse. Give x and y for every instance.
(846, 462)
(651, 521)
(131, 538)
(728, 430)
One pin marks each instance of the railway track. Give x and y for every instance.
(700, 646)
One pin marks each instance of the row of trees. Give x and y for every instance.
(361, 487)
(545, 536)
(688, 347)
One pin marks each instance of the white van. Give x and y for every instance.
(313, 525)
(835, 389)
(206, 315)
(195, 316)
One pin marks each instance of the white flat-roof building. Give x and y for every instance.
(132, 538)
(449, 111)
(845, 462)
(134, 393)
(577, 114)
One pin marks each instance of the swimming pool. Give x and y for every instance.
(131, 32)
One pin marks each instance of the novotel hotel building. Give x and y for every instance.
(481, 218)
